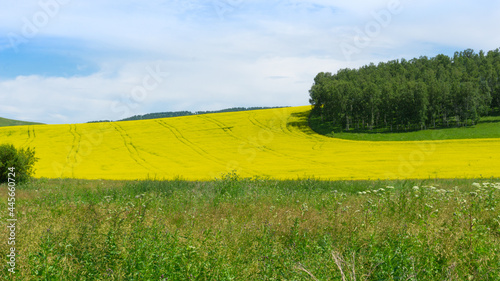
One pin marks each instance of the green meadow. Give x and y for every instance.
(255, 229)
(488, 127)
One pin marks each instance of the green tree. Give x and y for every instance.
(371, 97)
(318, 92)
(22, 160)
(412, 93)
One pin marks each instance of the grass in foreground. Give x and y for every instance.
(240, 229)
(488, 127)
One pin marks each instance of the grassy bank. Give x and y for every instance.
(4, 122)
(240, 229)
(488, 127)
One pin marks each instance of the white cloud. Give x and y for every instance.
(203, 85)
(257, 53)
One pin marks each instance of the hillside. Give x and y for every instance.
(273, 143)
(9, 122)
(169, 114)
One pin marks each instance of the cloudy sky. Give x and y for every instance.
(68, 61)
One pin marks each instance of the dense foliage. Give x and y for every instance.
(415, 94)
(22, 160)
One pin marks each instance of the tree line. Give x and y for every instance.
(169, 114)
(420, 93)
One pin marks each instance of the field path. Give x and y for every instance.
(31, 136)
(132, 150)
(72, 157)
(193, 146)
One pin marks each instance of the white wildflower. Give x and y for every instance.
(476, 184)
(389, 187)
(304, 207)
(415, 188)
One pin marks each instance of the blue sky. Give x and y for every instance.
(67, 61)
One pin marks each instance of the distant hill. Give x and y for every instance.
(4, 122)
(168, 114)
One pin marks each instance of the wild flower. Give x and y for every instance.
(416, 188)
(304, 207)
(475, 184)
(389, 187)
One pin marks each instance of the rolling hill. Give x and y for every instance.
(9, 122)
(274, 143)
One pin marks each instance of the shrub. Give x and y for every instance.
(23, 160)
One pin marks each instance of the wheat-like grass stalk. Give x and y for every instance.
(300, 267)
(338, 262)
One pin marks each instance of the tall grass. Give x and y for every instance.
(256, 229)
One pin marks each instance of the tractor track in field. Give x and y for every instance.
(196, 148)
(317, 140)
(261, 147)
(255, 143)
(178, 135)
(133, 152)
(223, 127)
(31, 136)
(72, 157)
(287, 131)
(285, 126)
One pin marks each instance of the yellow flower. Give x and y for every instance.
(274, 143)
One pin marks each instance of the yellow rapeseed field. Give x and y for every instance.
(274, 143)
